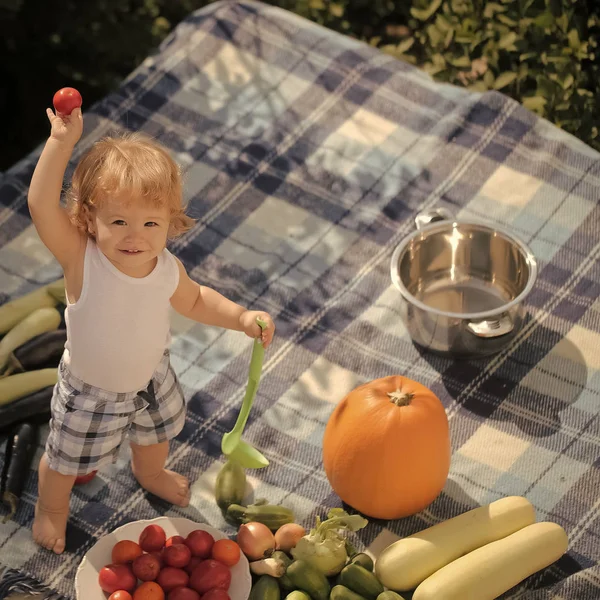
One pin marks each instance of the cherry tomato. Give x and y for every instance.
(120, 595)
(216, 594)
(81, 479)
(226, 552)
(149, 590)
(153, 538)
(66, 100)
(210, 574)
(175, 539)
(125, 551)
(200, 542)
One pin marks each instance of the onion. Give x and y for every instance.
(256, 540)
(288, 535)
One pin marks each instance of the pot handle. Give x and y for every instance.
(431, 216)
(492, 328)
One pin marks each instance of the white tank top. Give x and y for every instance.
(119, 329)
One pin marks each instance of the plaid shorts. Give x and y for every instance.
(88, 424)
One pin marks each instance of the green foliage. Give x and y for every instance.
(543, 53)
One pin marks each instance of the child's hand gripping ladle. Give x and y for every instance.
(232, 445)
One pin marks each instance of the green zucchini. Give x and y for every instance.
(284, 581)
(364, 560)
(361, 581)
(271, 515)
(389, 595)
(340, 592)
(309, 579)
(266, 588)
(230, 487)
(297, 595)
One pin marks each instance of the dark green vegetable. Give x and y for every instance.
(364, 560)
(41, 352)
(20, 449)
(266, 588)
(230, 487)
(340, 592)
(285, 582)
(361, 581)
(34, 408)
(271, 515)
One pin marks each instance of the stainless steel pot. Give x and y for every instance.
(462, 285)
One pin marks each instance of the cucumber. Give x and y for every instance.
(271, 515)
(266, 588)
(340, 592)
(364, 560)
(298, 595)
(284, 581)
(389, 595)
(361, 581)
(309, 579)
(230, 487)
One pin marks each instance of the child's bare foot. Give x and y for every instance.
(169, 486)
(49, 528)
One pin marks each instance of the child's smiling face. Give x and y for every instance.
(131, 234)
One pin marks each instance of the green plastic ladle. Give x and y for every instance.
(232, 445)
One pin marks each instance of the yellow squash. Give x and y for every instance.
(16, 310)
(23, 384)
(491, 570)
(403, 565)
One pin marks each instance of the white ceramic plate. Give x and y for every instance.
(99, 555)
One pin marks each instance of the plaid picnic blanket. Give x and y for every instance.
(307, 156)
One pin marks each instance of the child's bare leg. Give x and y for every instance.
(52, 507)
(148, 465)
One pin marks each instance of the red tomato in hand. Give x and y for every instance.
(66, 100)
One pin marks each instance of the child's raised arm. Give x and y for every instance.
(53, 225)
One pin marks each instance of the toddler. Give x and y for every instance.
(115, 377)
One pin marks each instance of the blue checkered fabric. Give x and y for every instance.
(306, 157)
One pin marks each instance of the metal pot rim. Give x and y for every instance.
(451, 224)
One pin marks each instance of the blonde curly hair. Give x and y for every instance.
(132, 163)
